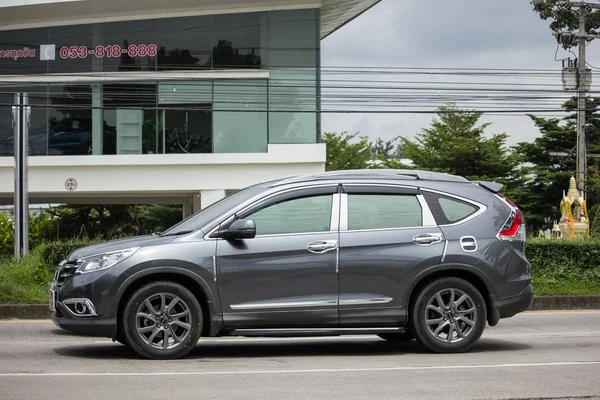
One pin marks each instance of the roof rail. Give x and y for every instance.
(373, 173)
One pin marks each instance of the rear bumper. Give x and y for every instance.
(511, 306)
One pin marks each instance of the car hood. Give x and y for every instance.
(116, 245)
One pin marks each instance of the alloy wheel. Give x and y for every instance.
(450, 315)
(163, 321)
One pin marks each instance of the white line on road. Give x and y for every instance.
(298, 371)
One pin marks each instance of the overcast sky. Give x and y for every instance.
(439, 33)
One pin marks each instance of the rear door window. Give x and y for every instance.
(383, 211)
(449, 210)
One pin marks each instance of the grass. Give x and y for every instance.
(566, 280)
(24, 281)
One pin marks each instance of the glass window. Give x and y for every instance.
(306, 214)
(237, 40)
(448, 210)
(185, 43)
(129, 119)
(240, 116)
(456, 210)
(75, 48)
(70, 120)
(374, 211)
(128, 46)
(293, 62)
(293, 97)
(20, 51)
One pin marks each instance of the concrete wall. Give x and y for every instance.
(158, 178)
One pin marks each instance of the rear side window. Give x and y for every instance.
(375, 211)
(448, 210)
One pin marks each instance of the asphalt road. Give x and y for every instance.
(533, 355)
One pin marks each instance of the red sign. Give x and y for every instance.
(110, 51)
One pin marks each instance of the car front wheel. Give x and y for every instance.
(162, 320)
(448, 316)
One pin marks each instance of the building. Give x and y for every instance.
(154, 101)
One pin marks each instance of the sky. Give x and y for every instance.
(427, 34)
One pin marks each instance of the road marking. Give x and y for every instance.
(299, 371)
(25, 321)
(561, 312)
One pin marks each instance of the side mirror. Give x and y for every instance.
(240, 229)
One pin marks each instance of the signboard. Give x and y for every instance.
(47, 52)
(71, 184)
(110, 51)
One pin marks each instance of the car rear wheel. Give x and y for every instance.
(162, 320)
(397, 337)
(448, 316)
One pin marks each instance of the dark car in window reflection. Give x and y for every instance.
(74, 142)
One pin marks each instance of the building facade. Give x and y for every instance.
(148, 101)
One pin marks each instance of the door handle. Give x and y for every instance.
(427, 239)
(321, 246)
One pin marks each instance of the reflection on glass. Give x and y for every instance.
(69, 120)
(237, 40)
(129, 118)
(188, 131)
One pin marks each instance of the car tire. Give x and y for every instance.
(397, 337)
(162, 320)
(448, 316)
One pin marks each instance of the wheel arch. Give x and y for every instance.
(195, 284)
(470, 275)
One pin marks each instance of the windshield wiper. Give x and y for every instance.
(176, 233)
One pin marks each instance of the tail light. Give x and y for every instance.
(514, 227)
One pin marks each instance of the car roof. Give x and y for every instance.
(367, 174)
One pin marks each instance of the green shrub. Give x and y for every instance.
(52, 253)
(564, 267)
(26, 280)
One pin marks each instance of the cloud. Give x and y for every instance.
(430, 34)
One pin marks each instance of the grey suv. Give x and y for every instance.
(400, 254)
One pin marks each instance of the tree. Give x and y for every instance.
(549, 162)
(456, 143)
(564, 18)
(344, 152)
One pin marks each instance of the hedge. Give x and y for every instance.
(564, 267)
(559, 267)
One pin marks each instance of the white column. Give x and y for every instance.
(97, 97)
(196, 203)
(97, 121)
(209, 197)
(187, 210)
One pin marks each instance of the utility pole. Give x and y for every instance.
(583, 82)
(21, 120)
(581, 144)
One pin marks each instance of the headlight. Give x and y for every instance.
(103, 261)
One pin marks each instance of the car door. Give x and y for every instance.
(387, 235)
(286, 275)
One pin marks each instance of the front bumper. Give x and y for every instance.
(513, 305)
(64, 313)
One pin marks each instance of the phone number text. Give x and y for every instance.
(111, 51)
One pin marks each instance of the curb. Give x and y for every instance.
(42, 311)
(24, 311)
(565, 303)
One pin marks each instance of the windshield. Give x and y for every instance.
(213, 211)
